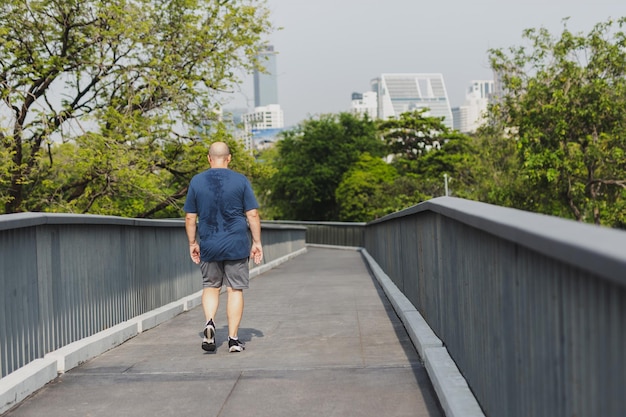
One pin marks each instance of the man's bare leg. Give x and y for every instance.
(210, 302)
(234, 311)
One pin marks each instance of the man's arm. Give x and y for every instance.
(254, 221)
(190, 228)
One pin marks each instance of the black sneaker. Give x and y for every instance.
(235, 345)
(208, 343)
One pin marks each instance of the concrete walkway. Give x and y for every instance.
(321, 340)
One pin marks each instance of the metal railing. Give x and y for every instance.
(66, 277)
(532, 308)
(331, 233)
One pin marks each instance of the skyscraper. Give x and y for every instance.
(400, 93)
(471, 115)
(266, 83)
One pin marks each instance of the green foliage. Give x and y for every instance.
(101, 98)
(497, 168)
(405, 191)
(266, 159)
(456, 158)
(99, 174)
(334, 168)
(373, 189)
(424, 150)
(412, 134)
(564, 104)
(360, 193)
(311, 161)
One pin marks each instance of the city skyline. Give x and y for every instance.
(328, 50)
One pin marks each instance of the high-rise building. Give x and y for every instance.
(471, 115)
(264, 125)
(459, 117)
(401, 93)
(365, 103)
(264, 117)
(266, 82)
(266, 121)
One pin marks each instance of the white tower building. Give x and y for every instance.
(471, 115)
(400, 93)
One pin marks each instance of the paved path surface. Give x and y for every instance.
(321, 340)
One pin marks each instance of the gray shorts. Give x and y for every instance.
(235, 274)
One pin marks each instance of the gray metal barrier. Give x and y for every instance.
(66, 277)
(331, 233)
(531, 308)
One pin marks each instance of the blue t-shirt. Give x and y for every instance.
(221, 197)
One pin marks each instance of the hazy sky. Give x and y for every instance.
(329, 49)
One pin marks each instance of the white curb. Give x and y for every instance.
(454, 394)
(82, 350)
(23, 382)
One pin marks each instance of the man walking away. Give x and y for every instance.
(220, 208)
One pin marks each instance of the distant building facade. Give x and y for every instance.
(472, 114)
(263, 125)
(401, 93)
(264, 117)
(365, 104)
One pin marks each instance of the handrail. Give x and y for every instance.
(532, 308)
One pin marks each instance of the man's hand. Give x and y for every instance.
(256, 253)
(194, 251)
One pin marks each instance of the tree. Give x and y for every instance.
(113, 179)
(360, 193)
(413, 133)
(456, 158)
(311, 161)
(101, 99)
(564, 103)
(423, 150)
(497, 168)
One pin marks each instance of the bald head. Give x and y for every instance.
(219, 155)
(219, 149)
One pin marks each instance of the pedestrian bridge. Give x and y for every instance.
(451, 307)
